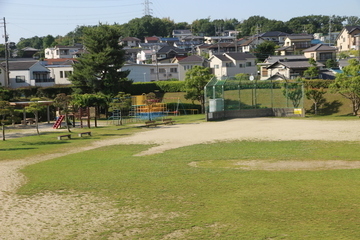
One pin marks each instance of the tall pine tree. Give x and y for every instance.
(97, 69)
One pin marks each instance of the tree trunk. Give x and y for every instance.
(3, 131)
(37, 123)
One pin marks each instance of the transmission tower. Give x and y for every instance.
(147, 9)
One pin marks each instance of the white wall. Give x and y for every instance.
(55, 73)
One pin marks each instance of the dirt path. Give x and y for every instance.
(56, 216)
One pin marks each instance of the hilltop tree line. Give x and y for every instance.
(152, 26)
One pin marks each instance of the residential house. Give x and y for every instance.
(274, 36)
(346, 40)
(230, 64)
(320, 52)
(28, 73)
(144, 56)
(151, 72)
(189, 46)
(62, 51)
(288, 69)
(329, 38)
(217, 39)
(130, 42)
(251, 44)
(181, 34)
(152, 46)
(266, 74)
(153, 39)
(298, 41)
(187, 63)
(285, 51)
(60, 70)
(29, 52)
(169, 41)
(167, 53)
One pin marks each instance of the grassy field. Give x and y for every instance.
(212, 201)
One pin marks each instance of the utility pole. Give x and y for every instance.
(330, 31)
(7, 79)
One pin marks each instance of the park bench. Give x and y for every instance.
(65, 135)
(84, 133)
(167, 121)
(151, 124)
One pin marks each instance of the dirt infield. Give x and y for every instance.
(54, 216)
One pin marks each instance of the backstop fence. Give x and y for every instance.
(240, 97)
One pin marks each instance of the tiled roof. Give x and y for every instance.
(352, 28)
(19, 65)
(192, 58)
(297, 64)
(300, 36)
(320, 47)
(130, 39)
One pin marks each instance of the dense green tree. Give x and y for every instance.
(5, 111)
(98, 69)
(48, 41)
(331, 63)
(148, 26)
(35, 107)
(293, 90)
(203, 27)
(195, 81)
(315, 24)
(316, 95)
(312, 71)
(264, 50)
(347, 84)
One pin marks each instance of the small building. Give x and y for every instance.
(320, 52)
(130, 42)
(187, 63)
(62, 51)
(230, 64)
(298, 41)
(28, 73)
(346, 40)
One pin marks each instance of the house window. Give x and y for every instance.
(216, 66)
(241, 65)
(312, 55)
(20, 79)
(248, 64)
(61, 74)
(230, 64)
(162, 70)
(173, 70)
(152, 71)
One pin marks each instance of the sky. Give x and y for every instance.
(26, 19)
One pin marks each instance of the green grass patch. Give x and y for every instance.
(215, 202)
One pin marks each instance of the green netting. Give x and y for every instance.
(240, 93)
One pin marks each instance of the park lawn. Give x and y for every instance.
(215, 202)
(47, 142)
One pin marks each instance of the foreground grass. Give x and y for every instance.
(216, 203)
(47, 143)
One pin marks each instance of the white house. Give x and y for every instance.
(28, 73)
(185, 64)
(62, 51)
(151, 72)
(143, 56)
(230, 64)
